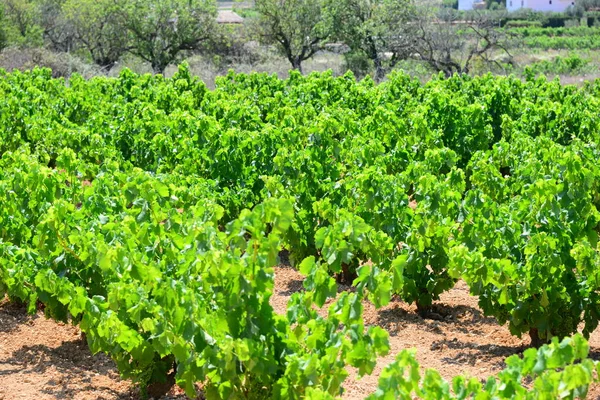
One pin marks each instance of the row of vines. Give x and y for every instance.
(573, 38)
(151, 212)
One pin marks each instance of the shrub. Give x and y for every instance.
(358, 63)
(61, 64)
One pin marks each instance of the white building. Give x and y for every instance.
(539, 5)
(513, 5)
(471, 4)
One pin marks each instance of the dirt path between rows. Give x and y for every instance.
(44, 360)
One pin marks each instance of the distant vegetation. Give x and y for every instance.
(367, 37)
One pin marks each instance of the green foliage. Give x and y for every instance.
(568, 43)
(297, 27)
(370, 28)
(402, 379)
(523, 24)
(151, 212)
(546, 18)
(571, 38)
(159, 31)
(572, 64)
(22, 22)
(528, 262)
(533, 31)
(450, 4)
(358, 62)
(97, 28)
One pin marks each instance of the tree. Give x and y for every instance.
(22, 18)
(3, 42)
(298, 27)
(22, 15)
(96, 27)
(371, 27)
(450, 45)
(160, 30)
(58, 31)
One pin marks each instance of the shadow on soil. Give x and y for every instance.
(12, 315)
(469, 353)
(74, 365)
(292, 286)
(69, 358)
(461, 318)
(75, 368)
(594, 353)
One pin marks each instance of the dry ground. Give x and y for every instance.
(44, 360)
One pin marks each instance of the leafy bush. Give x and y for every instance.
(528, 264)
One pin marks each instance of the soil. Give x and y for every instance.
(44, 360)
(41, 359)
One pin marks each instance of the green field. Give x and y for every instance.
(151, 211)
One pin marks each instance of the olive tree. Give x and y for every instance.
(161, 30)
(298, 28)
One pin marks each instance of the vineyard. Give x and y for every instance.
(151, 213)
(573, 38)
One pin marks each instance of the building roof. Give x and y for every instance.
(229, 17)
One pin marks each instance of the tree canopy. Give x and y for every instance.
(160, 30)
(298, 27)
(373, 28)
(96, 27)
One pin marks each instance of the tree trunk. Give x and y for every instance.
(296, 64)
(374, 56)
(448, 72)
(158, 67)
(158, 389)
(379, 70)
(106, 65)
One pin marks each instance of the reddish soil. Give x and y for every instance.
(41, 359)
(44, 360)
